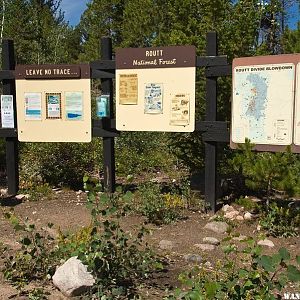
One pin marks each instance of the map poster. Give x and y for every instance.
(180, 110)
(128, 90)
(263, 103)
(74, 105)
(153, 98)
(53, 105)
(33, 106)
(297, 108)
(7, 111)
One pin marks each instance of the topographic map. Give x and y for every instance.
(297, 109)
(263, 100)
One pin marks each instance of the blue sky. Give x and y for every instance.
(73, 10)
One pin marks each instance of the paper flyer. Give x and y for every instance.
(74, 105)
(53, 103)
(180, 110)
(153, 98)
(7, 111)
(128, 90)
(33, 106)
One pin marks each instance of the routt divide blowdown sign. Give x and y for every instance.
(266, 102)
(155, 89)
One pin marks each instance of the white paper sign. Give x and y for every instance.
(33, 106)
(7, 111)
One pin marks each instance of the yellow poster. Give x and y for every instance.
(128, 90)
(180, 110)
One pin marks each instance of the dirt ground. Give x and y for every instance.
(66, 210)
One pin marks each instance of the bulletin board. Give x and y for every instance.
(155, 89)
(53, 103)
(265, 102)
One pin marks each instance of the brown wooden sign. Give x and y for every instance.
(52, 71)
(157, 57)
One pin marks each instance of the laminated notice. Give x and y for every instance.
(53, 103)
(153, 98)
(33, 106)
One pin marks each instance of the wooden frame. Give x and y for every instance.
(212, 131)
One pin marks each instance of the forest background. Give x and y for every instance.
(42, 35)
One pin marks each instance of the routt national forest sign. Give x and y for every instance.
(155, 89)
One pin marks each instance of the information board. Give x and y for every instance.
(297, 109)
(155, 89)
(263, 101)
(53, 103)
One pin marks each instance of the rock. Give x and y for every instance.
(266, 242)
(21, 197)
(193, 258)
(208, 264)
(3, 192)
(255, 199)
(166, 245)
(217, 227)
(241, 209)
(231, 214)
(239, 238)
(239, 218)
(211, 241)
(72, 278)
(205, 247)
(227, 208)
(248, 216)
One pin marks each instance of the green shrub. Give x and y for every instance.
(267, 171)
(281, 221)
(260, 276)
(115, 258)
(36, 260)
(247, 203)
(138, 152)
(36, 191)
(59, 163)
(158, 208)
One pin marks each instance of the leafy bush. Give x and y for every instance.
(281, 221)
(260, 276)
(115, 258)
(36, 191)
(36, 260)
(138, 152)
(247, 203)
(59, 163)
(158, 208)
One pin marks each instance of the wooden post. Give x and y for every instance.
(9, 88)
(211, 115)
(108, 142)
